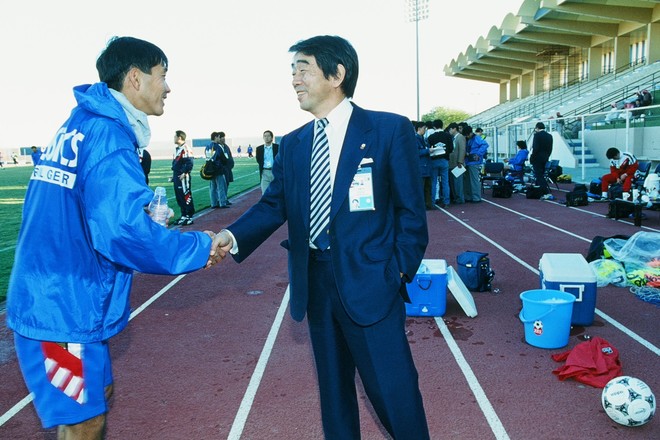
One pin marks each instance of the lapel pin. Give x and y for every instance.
(363, 146)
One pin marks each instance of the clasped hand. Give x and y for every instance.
(222, 244)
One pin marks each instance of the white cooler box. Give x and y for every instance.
(572, 274)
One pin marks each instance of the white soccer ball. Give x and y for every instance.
(628, 401)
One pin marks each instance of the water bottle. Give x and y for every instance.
(158, 206)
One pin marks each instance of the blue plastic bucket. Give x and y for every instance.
(546, 315)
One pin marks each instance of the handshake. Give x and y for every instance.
(222, 243)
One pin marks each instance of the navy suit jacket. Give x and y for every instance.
(370, 248)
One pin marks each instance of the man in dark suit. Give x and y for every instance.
(265, 155)
(227, 161)
(541, 151)
(349, 279)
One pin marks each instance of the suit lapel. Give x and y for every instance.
(301, 158)
(357, 142)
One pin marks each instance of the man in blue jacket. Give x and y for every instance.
(348, 185)
(85, 230)
(476, 150)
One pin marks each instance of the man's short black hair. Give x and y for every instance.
(122, 54)
(330, 51)
(612, 153)
(540, 125)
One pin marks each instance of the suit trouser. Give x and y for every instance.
(456, 185)
(380, 352)
(472, 183)
(539, 176)
(266, 178)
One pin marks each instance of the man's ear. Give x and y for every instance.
(133, 79)
(338, 79)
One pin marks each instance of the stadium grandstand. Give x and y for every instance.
(588, 69)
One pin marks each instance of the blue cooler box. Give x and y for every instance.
(571, 273)
(428, 290)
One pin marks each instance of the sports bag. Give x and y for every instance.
(534, 192)
(209, 170)
(578, 197)
(615, 191)
(595, 186)
(502, 188)
(474, 270)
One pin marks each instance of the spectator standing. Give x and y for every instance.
(476, 148)
(441, 145)
(227, 162)
(36, 155)
(348, 262)
(68, 296)
(456, 161)
(182, 165)
(265, 155)
(218, 184)
(541, 151)
(424, 163)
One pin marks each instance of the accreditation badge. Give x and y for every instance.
(361, 192)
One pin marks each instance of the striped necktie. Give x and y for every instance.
(320, 191)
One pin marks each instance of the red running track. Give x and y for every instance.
(215, 355)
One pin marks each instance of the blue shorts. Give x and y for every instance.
(68, 380)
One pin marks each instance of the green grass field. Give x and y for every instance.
(14, 180)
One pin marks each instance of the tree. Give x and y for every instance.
(446, 114)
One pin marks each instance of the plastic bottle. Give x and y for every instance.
(158, 206)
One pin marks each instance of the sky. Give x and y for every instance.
(229, 65)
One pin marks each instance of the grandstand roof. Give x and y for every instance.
(545, 30)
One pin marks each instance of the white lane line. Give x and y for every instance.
(629, 332)
(16, 408)
(248, 398)
(488, 410)
(539, 221)
(518, 260)
(653, 348)
(160, 293)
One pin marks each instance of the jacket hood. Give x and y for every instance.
(97, 99)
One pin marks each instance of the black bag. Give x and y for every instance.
(578, 197)
(597, 247)
(618, 209)
(595, 186)
(474, 270)
(209, 170)
(555, 172)
(502, 188)
(534, 192)
(615, 191)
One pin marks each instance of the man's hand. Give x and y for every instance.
(222, 244)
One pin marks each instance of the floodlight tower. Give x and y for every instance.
(417, 10)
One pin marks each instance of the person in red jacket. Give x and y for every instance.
(622, 170)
